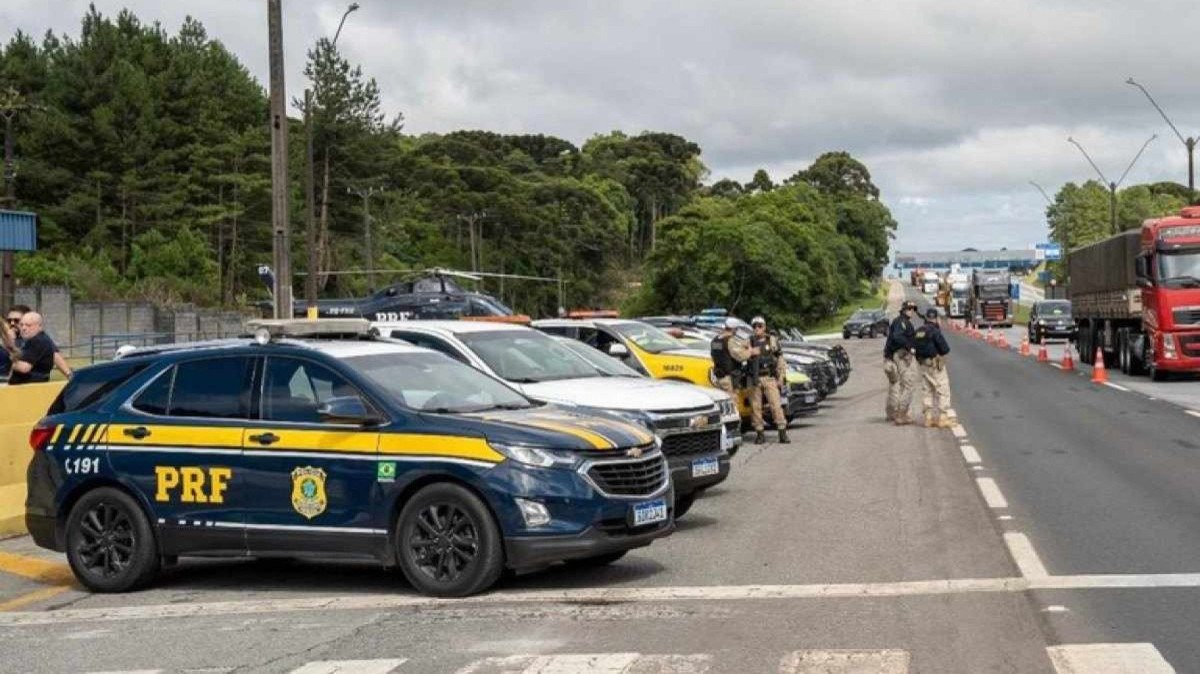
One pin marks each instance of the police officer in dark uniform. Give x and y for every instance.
(900, 366)
(932, 350)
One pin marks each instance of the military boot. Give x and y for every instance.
(903, 420)
(760, 438)
(783, 437)
(929, 422)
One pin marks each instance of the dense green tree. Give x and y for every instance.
(838, 173)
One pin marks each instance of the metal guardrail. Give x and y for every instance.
(104, 347)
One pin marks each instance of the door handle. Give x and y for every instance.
(264, 438)
(138, 432)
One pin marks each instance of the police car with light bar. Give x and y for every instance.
(302, 442)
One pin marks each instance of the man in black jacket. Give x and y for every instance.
(932, 351)
(900, 365)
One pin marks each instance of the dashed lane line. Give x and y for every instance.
(958, 431)
(1108, 659)
(1116, 386)
(991, 493)
(970, 454)
(1028, 562)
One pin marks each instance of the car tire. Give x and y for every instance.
(111, 545)
(597, 560)
(683, 504)
(442, 526)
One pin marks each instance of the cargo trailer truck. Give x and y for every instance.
(990, 298)
(959, 294)
(1136, 297)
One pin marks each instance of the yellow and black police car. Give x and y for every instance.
(296, 444)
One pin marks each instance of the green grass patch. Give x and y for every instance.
(864, 300)
(1021, 315)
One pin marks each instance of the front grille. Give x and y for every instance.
(684, 422)
(1189, 316)
(994, 312)
(689, 444)
(635, 477)
(1190, 345)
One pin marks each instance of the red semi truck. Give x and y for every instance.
(1136, 296)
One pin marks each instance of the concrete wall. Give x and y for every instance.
(73, 325)
(20, 408)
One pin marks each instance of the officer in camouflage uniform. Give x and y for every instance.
(730, 355)
(771, 371)
(932, 351)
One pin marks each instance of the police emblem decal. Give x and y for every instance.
(308, 491)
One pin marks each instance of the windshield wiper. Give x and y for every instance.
(1187, 280)
(524, 380)
(504, 406)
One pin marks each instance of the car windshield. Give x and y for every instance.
(862, 316)
(649, 338)
(431, 382)
(605, 364)
(1059, 308)
(527, 356)
(1181, 269)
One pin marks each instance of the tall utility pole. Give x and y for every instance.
(475, 234)
(366, 195)
(1112, 186)
(310, 218)
(281, 240)
(1189, 143)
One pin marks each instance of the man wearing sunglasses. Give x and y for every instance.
(27, 345)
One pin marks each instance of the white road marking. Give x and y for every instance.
(350, 666)
(1026, 557)
(1108, 659)
(601, 596)
(970, 454)
(595, 663)
(130, 671)
(1056, 608)
(1056, 365)
(991, 493)
(976, 467)
(1116, 386)
(1004, 518)
(958, 431)
(890, 661)
(1193, 413)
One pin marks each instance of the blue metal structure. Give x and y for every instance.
(18, 231)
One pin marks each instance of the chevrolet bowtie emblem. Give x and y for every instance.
(698, 422)
(634, 453)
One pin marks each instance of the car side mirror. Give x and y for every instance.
(349, 410)
(617, 350)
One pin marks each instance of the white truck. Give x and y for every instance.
(960, 294)
(930, 282)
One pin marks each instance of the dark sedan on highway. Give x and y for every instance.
(865, 323)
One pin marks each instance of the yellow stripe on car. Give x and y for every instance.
(181, 436)
(359, 442)
(438, 445)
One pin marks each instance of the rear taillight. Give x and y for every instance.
(40, 436)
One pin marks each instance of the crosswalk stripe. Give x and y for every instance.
(888, 661)
(350, 666)
(1133, 658)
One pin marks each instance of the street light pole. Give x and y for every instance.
(352, 8)
(1189, 143)
(1112, 186)
(282, 235)
(310, 218)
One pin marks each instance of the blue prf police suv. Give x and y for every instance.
(290, 446)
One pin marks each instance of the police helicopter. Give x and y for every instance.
(425, 294)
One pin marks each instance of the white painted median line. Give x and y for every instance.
(991, 493)
(594, 663)
(970, 454)
(1108, 659)
(1116, 386)
(350, 667)
(958, 431)
(595, 597)
(891, 661)
(1025, 556)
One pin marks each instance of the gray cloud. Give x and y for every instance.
(953, 105)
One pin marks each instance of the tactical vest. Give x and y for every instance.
(723, 364)
(766, 355)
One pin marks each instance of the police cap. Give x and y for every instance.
(931, 313)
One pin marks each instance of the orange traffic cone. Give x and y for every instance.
(1025, 347)
(1099, 372)
(1043, 355)
(990, 338)
(1068, 361)
(1002, 341)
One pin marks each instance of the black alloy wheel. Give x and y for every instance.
(110, 544)
(447, 542)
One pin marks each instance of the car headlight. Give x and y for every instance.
(540, 457)
(728, 409)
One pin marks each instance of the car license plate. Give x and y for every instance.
(705, 467)
(810, 398)
(649, 512)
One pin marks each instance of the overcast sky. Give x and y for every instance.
(954, 106)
